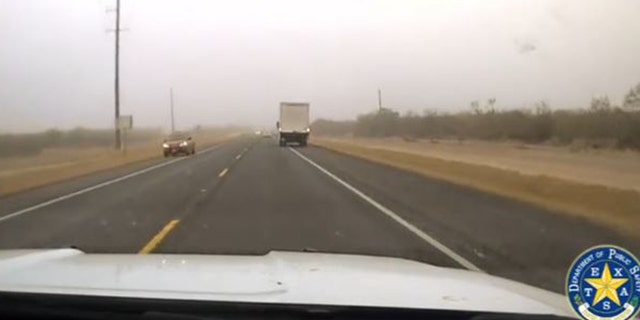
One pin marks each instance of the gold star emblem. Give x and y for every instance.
(606, 286)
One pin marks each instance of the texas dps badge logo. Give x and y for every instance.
(604, 283)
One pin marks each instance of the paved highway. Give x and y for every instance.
(249, 196)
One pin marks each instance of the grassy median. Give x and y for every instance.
(615, 208)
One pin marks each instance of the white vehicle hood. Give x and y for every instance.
(278, 277)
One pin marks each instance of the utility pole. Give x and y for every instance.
(173, 122)
(379, 100)
(117, 77)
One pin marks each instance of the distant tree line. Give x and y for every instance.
(600, 125)
(331, 127)
(33, 143)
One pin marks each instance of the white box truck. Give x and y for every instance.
(294, 123)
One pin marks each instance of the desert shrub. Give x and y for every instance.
(33, 143)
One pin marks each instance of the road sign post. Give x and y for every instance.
(124, 123)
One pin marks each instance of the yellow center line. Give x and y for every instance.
(155, 241)
(223, 172)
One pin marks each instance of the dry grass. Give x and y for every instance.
(616, 208)
(54, 165)
(612, 168)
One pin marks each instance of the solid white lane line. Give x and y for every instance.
(415, 230)
(97, 186)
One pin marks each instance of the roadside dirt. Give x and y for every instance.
(563, 182)
(54, 165)
(612, 168)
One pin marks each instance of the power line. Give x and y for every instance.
(117, 76)
(173, 123)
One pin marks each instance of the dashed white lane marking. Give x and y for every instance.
(97, 186)
(415, 230)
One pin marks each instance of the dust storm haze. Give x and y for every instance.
(231, 62)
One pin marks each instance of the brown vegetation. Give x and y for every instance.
(616, 208)
(602, 125)
(54, 164)
(618, 169)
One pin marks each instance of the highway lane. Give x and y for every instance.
(119, 217)
(273, 200)
(501, 236)
(250, 196)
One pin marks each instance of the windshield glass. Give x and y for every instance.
(178, 136)
(496, 137)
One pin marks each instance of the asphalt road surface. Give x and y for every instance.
(249, 196)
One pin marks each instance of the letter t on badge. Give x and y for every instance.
(587, 292)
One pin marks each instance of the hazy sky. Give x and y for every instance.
(233, 61)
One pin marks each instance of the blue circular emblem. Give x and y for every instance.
(604, 283)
